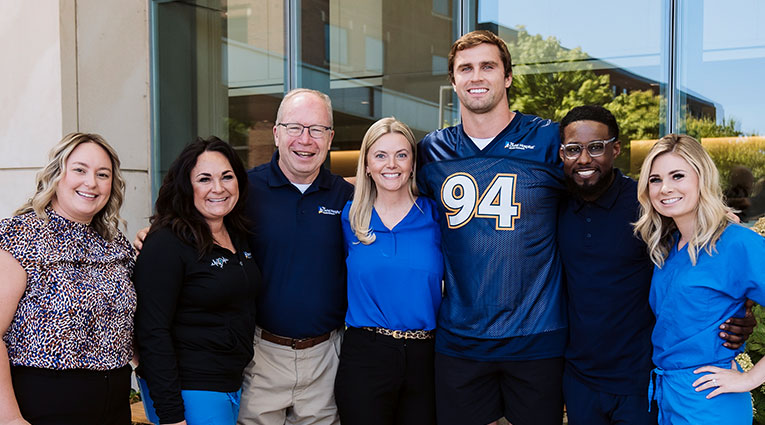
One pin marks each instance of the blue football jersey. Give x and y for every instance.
(498, 216)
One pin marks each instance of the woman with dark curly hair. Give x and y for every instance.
(196, 281)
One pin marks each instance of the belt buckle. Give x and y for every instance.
(397, 334)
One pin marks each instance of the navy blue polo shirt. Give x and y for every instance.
(297, 240)
(608, 275)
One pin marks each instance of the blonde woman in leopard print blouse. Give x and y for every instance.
(66, 300)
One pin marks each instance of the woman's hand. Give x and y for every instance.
(139, 238)
(724, 380)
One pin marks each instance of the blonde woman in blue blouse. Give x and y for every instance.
(395, 268)
(66, 300)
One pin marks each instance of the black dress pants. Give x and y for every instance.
(385, 381)
(73, 397)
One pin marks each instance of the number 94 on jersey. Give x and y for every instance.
(464, 200)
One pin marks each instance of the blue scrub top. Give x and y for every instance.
(691, 302)
(395, 282)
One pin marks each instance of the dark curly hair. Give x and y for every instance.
(175, 202)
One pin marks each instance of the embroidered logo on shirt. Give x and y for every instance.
(328, 211)
(220, 261)
(247, 255)
(517, 146)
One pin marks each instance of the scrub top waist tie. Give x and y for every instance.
(654, 387)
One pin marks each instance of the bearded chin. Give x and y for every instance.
(589, 191)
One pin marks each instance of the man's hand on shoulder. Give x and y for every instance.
(736, 330)
(139, 238)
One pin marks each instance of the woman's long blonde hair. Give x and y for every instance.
(106, 222)
(711, 212)
(365, 194)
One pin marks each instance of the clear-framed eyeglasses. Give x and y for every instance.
(296, 130)
(595, 148)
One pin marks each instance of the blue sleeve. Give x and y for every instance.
(747, 260)
(348, 235)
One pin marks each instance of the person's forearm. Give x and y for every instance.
(9, 408)
(756, 375)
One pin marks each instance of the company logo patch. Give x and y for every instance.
(517, 146)
(219, 262)
(328, 211)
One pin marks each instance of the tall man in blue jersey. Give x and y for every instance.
(497, 180)
(608, 357)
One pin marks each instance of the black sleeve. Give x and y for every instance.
(158, 277)
(422, 154)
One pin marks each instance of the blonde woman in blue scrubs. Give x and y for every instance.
(706, 268)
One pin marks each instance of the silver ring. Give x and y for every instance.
(714, 381)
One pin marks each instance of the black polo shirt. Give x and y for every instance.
(297, 241)
(608, 276)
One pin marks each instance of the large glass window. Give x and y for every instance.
(377, 58)
(218, 70)
(221, 67)
(565, 55)
(189, 90)
(721, 57)
(255, 71)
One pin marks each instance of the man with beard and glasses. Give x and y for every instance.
(608, 275)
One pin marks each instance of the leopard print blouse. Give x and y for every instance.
(78, 305)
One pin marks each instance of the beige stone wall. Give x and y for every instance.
(77, 65)
(30, 95)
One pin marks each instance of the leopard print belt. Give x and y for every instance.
(411, 334)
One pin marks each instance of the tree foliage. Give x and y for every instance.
(707, 127)
(569, 81)
(549, 80)
(638, 114)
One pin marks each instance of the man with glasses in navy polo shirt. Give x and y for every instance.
(295, 204)
(608, 276)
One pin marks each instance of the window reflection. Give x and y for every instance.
(721, 55)
(575, 57)
(221, 69)
(550, 78)
(255, 71)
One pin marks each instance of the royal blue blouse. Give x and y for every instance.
(395, 282)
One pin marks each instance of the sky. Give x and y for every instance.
(722, 44)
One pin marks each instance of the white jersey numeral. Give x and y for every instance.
(460, 196)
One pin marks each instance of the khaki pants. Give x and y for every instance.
(286, 386)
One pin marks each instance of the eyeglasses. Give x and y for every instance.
(296, 130)
(594, 148)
